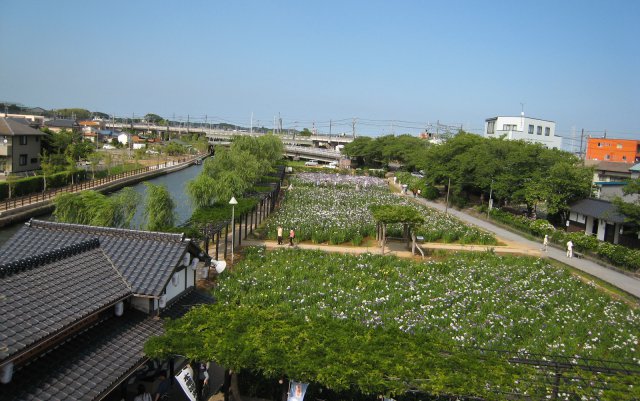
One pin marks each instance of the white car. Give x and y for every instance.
(331, 165)
(311, 163)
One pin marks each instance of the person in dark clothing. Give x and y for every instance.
(163, 388)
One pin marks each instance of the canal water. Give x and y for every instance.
(176, 184)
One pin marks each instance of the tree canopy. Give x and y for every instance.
(94, 209)
(630, 209)
(404, 149)
(235, 169)
(159, 208)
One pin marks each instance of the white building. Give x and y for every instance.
(525, 128)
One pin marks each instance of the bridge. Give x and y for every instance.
(226, 135)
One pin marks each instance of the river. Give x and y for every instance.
(175, 183)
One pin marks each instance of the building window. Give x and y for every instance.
(539, 132)
(23, 139)
(37, 139)
(547, 131)
(619, 146)
(530, 129)
(624, 157)
(607, 157)
(599, 144)
(22, 160)
(34, 160)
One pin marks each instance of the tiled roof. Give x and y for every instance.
(145, 259)
(599, 209)
(618, 167)
(90, 365)
(11, 127)
(47, 292)
(61, 123)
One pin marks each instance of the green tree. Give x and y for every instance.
(305, 132)
(93, 208)
(153, 118)
(631, 210)
(159, 208)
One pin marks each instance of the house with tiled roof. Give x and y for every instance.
(59, 124)
(77, 304)
(20, 146)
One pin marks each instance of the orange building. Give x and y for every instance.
(613, 150)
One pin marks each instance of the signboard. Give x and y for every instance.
(185, 378)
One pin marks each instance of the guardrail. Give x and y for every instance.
(14, 203)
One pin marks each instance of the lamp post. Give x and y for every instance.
(233, 202)
(490, 205)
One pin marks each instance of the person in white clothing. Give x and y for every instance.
(569, 249)
(545, 242)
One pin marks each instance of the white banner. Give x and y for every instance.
(185, 378)
(297, 390)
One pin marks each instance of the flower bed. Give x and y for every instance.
(344, 320)
(335, 208)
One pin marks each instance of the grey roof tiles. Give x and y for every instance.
(91, 364)
(145, 259)
(41, 296)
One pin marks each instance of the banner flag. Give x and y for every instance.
(297, 390)
(185, 378)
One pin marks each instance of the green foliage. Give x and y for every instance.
(405, 149)
(175, 149)
(95, 209)
(77, 113)
(233, 171)
(631, 210)
(159, 208)
(222, 211)
(393, 214)
(617, 255)
(516, 172)
(361, 322)
(305, 132)
(153, 118)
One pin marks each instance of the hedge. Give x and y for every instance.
(31, 185)
(617, 255)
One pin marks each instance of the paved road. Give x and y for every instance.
(622, 281)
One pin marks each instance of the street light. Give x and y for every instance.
(233, 202)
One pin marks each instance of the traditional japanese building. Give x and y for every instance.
(77, 304)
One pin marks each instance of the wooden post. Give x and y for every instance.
(217, 243)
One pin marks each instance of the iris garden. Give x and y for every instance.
(335, 209)
(468, 324)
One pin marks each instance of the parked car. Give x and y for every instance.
(311, 163)
(331, 165)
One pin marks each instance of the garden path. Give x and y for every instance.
(620, 280)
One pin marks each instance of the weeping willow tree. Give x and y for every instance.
(94, 209)
(159, 208)
(234, 170)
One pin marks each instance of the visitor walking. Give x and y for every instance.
(569, 249)
(292, 235)
(545, 242)
(279, 235)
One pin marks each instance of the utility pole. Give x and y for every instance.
(490, 199)
(353, 128)
(251, 129)
(330, 129)
(581, 137)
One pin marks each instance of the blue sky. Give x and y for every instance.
(459, 62)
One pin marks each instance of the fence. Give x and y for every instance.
(26, 200)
